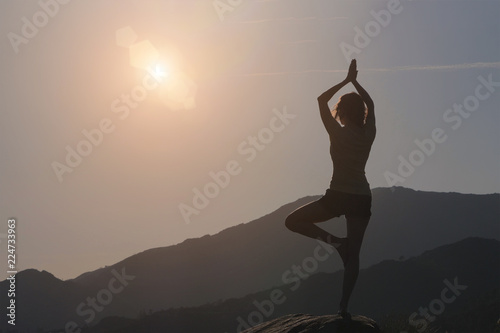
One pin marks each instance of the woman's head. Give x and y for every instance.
(350, 109)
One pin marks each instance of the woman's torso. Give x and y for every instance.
(349, 150)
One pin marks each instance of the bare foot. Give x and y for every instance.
(340, 244)
(345, 315)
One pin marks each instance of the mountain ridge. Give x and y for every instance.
(253, 256)
(467, 287)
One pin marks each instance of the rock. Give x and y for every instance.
(304, 323)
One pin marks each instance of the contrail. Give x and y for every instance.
(390, 69)
(307, 18)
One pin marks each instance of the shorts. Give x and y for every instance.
(348, 204)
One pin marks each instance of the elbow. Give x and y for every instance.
(322, 104)
(322, 99)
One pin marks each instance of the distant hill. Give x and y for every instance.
(457, 283)
(251, 257)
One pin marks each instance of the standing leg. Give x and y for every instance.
(356, 227)
(303, 220)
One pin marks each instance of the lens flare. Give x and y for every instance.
(159, 72)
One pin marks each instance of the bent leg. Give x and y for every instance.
(356, 227)
(303, 220)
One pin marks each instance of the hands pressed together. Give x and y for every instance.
(352, 74)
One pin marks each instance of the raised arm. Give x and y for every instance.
(324, 109)
(370, 117)
(326, 115)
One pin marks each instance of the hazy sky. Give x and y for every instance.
(228, 88)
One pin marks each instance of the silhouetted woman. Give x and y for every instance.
(349, 193)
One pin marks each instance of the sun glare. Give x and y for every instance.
(176, 89)
(159, 72)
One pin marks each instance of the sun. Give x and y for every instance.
(176, 89)
(158, 71)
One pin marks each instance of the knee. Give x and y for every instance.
(291, 223)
